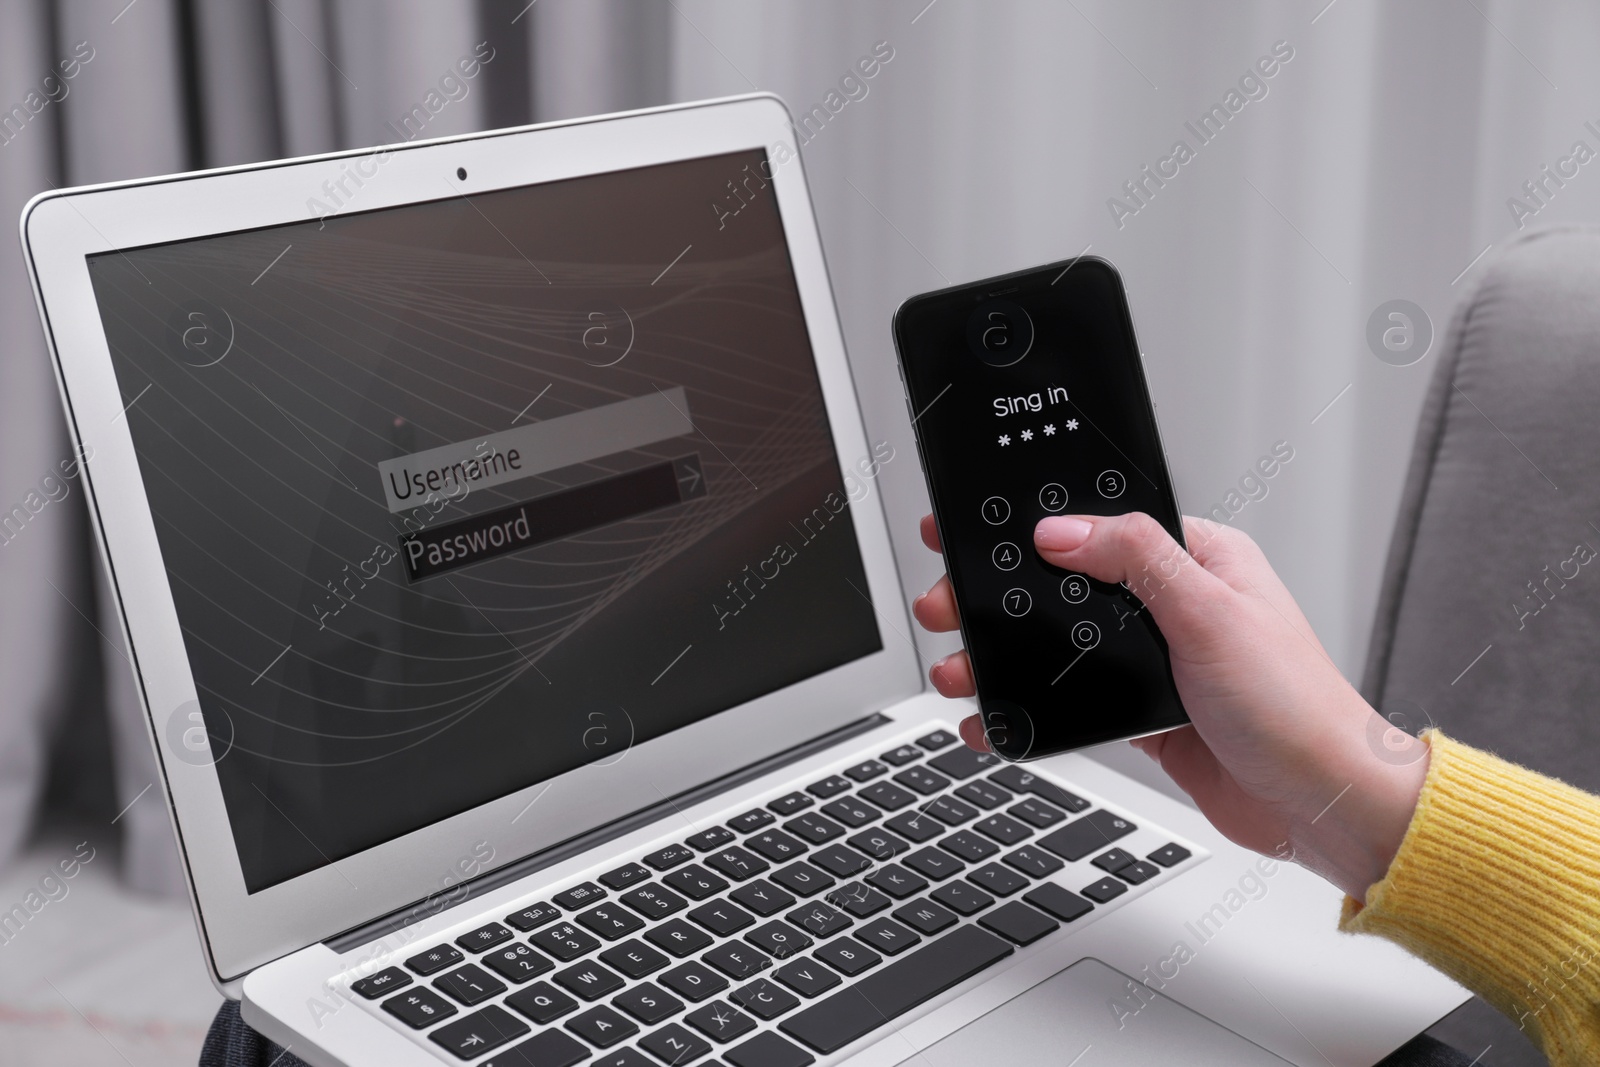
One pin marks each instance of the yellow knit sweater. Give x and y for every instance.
(1497, 884)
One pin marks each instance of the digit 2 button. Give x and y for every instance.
(997, 509)
(1007, 556)
(1017, 602)
(1111, 484)
(1053, 497)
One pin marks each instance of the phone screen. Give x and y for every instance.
(1028, 399)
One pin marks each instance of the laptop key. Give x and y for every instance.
(470, 984)
(721, 1022)
(484, 937)
(482, 1031)
(1018, 780)
(1169, 855)
(815, 829)
(997, 879)
(859, 899)
(435, 960)
(866, 772)
(541, 1002)
(933, 863)
(779, 939)
(674, 1046)
(669, 857)
(693, 981)
(1089, 834)
(654, 901)
(962, 762)
(722, 917)
(706, 840)
(752, 820)
(419, 1007)
(901, 756)
(830, 786)
(922, 780)
(611, 921)
(768, 1050)
(851, 812)
(622, 1057)
(1113, 860)
(517, 963)
(896, 881)
(737, 959)
(887, 795)
(1033, 861)
(802, 879)
(648, 1003)
(1038, 814)
(985, 794)
(578, 896)
(678, 938)
(1018, 922)
(938, 739)
(916, 826)
(1062, 903)
(839, 861)
(1002, 828)
(564, 941)
(552, 1048)
(1138, 873)
(926, 917)
(848, 956)
(626, 875)
(695, 882)
(887, 936)
(894, 989)
(819, 920)
(534, 916)
(737, 863)
(602, 1027)
(881, 845)
(387, 980)
(950, 811)
(634, 958)
(1105, 890)
(963, 898)
(762, 897)
(969, 846)
(806, 977)
(764, 999)
(790, 803)
(776, 845)
(589, 980)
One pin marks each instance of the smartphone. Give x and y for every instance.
(1028, 398)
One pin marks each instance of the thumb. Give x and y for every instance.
(1136, 551)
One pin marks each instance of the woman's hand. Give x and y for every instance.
(1278, 756)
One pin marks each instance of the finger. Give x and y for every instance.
(935, 610)
(1136, 550)
(1233, 556)
(952, 676)
(972, 733)
(930, 533)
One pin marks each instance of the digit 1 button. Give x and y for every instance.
(1075, 589)
(997, 510)
(1007, 556)
(1111, 484)
(1017, 602)
(1053, 497)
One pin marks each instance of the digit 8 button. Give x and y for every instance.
(1075, 589)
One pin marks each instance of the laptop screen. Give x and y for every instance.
(458, 496)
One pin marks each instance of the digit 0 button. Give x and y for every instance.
(996, 509)
(1007, 556)
(1017, 602)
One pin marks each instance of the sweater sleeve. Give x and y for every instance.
(1497, 884)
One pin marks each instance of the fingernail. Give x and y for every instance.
(917, 603)
(1062, 533)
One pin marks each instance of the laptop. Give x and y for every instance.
(503, 561)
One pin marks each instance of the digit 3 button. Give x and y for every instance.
(1075, 589)
(1111, 484)
(1017, 602)
(997, 509)
(1053, 497)
(1007, 556)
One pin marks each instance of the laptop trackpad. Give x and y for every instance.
(1088, 1016)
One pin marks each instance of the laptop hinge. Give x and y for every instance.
(430, 906)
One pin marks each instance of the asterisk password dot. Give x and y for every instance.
(1049, 429)
(1072, 424)
(1005, 439)
(1027, 435)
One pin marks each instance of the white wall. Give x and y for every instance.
(1377, 167)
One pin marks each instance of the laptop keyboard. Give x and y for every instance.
(786, 931)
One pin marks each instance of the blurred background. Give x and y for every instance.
(1384, 159)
